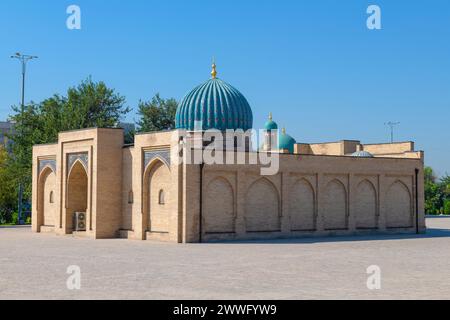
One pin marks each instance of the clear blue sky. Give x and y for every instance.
(314, 64)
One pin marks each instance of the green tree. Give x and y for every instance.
(447, 207)
(28, 132)
(437, 193)
(88, 105)
(91, 104)
(429, 175)
(8, 194)
(445, 186)
(433, 199)
(433, 193)
(157, 114)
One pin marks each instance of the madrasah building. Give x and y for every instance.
(90, 184)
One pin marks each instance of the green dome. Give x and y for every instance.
(271, 125)
(215, 105)
(286, 142)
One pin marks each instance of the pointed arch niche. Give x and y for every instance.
(335, 206)
(77, 192)
(302, 206)
(46, 193)
(262, 207)
(366, 209)
(219, 214)
(157, 201)
(399, 206)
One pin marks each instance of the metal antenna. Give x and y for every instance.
(392, 126)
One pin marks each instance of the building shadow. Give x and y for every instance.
(432, 232)
(27, 226)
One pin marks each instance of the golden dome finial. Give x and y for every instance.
(270, 116)
(214, 71)
(283, 131)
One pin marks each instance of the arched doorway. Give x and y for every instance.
(46, 198)
(77, 187)
(157, 197)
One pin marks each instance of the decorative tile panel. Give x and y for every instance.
(164, 155)
(83, 157)
(45, 163)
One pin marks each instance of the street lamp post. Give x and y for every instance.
(23, 58)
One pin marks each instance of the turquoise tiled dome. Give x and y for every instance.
(217, 105)
(286, 142)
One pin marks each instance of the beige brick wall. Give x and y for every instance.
(327, 148)
(338, 148)
(220, 205)
(48, 198)
(389, 148)
(39, 180)
(310, 196)
(97, 185)
(302, 204)
(335, 214)
(151, 220)
(109, 183)
(262, 207)
(366, 208)
(128, 196)
(348, 147)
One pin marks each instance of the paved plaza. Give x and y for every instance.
(34, 266)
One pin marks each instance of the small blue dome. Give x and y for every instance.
(362, 154)
(270, 124)
(286, 142)
(217, 105)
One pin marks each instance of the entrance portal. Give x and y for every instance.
(77, 186)
(157, 197)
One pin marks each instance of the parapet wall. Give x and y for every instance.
(348, 147)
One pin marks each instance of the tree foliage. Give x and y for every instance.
(88, 105)
(157, 114)
(437, 193)
(8, 192)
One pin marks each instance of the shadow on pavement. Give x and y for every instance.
(15, 227)
(432, 232)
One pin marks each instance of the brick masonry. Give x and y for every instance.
(136, 192)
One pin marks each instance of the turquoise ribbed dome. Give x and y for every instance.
(286, 142)
(217, 105)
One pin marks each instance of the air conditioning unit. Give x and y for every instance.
(79, 221)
